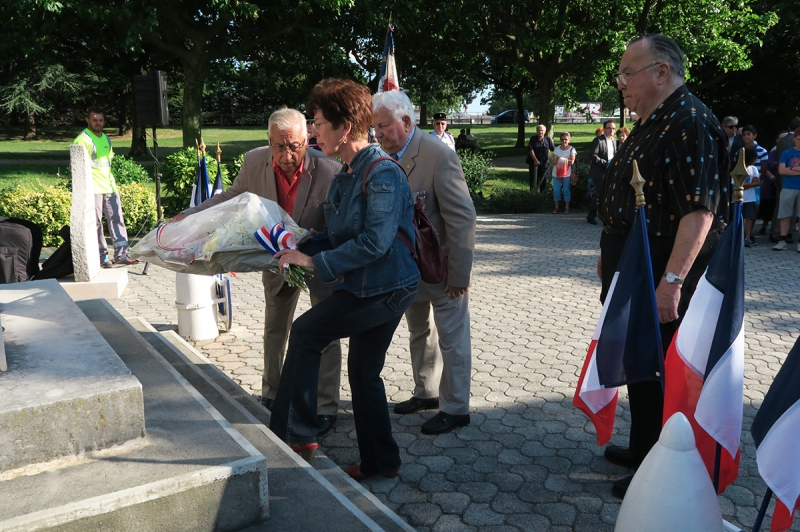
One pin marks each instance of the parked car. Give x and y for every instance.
(509, 117)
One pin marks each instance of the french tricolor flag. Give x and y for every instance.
(626, 344)
(776, 432)
(704, 368)
(388, 80)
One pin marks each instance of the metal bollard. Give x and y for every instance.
(195, 299)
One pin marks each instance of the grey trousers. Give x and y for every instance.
(278, 318)
(441, 355)
(110, 206)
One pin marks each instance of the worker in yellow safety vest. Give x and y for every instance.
(106, 199)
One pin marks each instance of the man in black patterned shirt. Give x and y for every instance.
(681, 151)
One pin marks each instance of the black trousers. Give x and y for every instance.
(647, 397)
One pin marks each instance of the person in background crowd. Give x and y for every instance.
(783, 144)
(598, 132)
(789, 202)
(603, 149)
(312, 136)
(461, 140)
(687, 202)
(106, 198)
(539, 149)
(297, 179)
(372, 275)
(622, 134)
(753, 180)
(735, 140)
(438, 321)
(766, 209)
(440, 130)
(563, 158)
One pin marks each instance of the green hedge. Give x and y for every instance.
(179, 175)
(125, 170)
(476, 169)
(49, 207)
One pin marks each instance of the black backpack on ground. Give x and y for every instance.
(60, 262)
(20, 247)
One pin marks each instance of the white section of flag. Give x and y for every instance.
(778, 457)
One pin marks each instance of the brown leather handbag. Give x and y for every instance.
(428, 253)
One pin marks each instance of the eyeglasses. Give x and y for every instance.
(625, 78)
(281, 148)
(318, 123)
(440, 123)
(612, 128)
(732, 126)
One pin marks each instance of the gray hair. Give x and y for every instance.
(285, 119)
(730, 120)
(396, 102)
(666, 50)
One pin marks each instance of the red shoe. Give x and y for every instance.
(306, 450)
(354, 472)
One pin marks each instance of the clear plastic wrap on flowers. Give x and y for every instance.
(219, 239)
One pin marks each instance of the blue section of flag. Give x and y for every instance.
(388, 48)
(629, 346)
(782, 395)
(726, 273)
(202, 184)
(218, 186)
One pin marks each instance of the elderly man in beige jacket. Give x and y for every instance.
(441, 355)
(298, 179)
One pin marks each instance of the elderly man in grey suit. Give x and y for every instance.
(441, 355)
(603, 149)
(298, 179)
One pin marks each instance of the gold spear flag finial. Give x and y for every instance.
(739, 175)
(637, 182)
(219, 153)
(202, 147)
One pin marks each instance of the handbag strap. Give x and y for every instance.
(400, 235)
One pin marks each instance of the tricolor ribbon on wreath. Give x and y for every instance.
(277, 239)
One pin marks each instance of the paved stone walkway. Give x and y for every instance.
(529, 460)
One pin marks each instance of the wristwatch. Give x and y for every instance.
(672, 278)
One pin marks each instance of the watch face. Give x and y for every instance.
(671, 277)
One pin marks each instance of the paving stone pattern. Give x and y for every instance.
(529, 461)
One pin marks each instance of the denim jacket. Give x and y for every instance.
(358, 250)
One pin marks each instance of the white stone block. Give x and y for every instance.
(83, 222)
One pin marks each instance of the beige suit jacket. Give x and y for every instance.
(258, 177)
(434, 168)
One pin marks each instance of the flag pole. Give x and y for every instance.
(637, 182)
(739, 175)
(762, 511)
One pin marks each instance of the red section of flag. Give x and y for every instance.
(603, 420)
(782, 518)
(681, 393)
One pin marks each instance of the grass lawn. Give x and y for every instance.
(54, 143)
(32, 174)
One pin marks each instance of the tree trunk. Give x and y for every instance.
(621, 110)
(423, 115)
(138, 142)
(30, 126)
(194, 74)
(520, 119)
(547, 103)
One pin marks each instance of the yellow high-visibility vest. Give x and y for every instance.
(101, 153)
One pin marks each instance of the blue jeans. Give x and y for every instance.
(558, 184)
(370, 323)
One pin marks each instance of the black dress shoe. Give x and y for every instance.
(415, 405)
(620, 456)
(266, 403)
(620, 487)
(591, 220)
(444, 422)
(324, 424)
